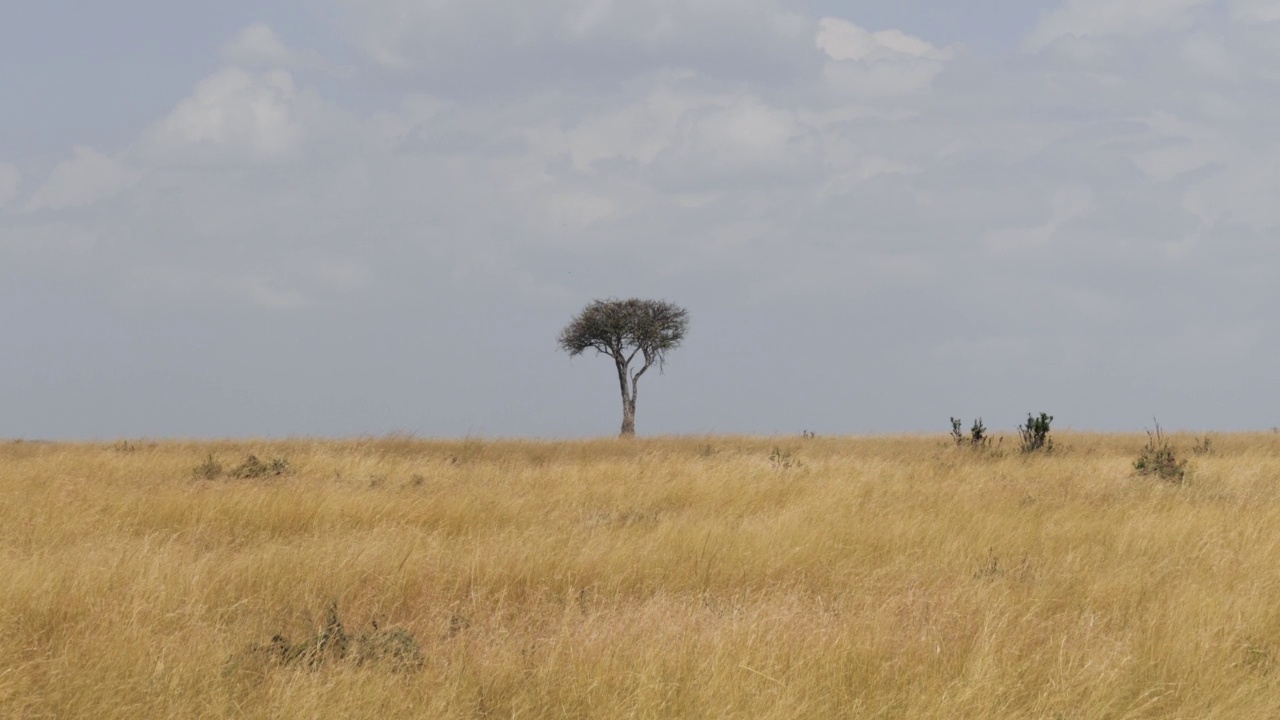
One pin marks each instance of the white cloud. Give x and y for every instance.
(518, 45)
(843, 40)
(234, 115)
(635, 132)
(86, 178)
(1103, 18)
(9, 178)
(258, 46)
(744, 140)
(877, 64)
(880, 79)
(726, 154)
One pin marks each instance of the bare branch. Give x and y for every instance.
(648, 364)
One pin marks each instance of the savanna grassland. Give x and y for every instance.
(666, 578)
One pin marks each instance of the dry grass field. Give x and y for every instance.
(664, 578)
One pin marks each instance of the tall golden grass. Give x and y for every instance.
(666, 578)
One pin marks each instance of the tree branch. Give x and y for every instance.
(647, 364)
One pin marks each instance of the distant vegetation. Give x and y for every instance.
(1034, 435)
(815, 577)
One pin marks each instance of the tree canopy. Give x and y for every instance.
(618, 327)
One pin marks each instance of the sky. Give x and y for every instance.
(359, 217)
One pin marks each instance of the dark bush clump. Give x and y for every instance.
(977, 438)
(1035, 434)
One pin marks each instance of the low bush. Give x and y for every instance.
(977, 438)
(1159, 459)
(252, 468)
(207, 470)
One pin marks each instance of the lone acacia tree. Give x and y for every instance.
(623, 329)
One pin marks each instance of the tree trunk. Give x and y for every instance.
(628, 418)
(628, 399)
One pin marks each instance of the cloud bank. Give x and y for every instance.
(857, 217)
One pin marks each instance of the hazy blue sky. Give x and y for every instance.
(339, 217)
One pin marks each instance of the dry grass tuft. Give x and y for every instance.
(681, 577)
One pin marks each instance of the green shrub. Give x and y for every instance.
(977, 438)
(1035, 434)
